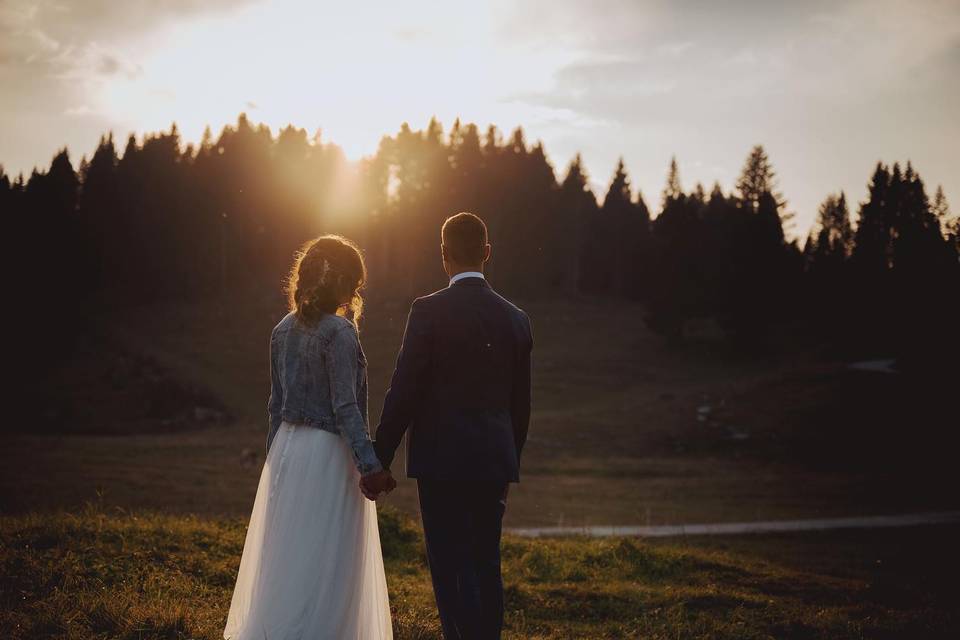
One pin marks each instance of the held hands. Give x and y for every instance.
(375, 484)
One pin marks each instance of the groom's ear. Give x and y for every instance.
(486, 251)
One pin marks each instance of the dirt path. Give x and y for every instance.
(736, 528)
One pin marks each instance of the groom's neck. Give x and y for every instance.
(455, 269)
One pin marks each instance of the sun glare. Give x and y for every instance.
(306, 65)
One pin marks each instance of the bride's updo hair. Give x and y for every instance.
(327, 271)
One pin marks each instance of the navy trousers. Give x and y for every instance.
(461, 525)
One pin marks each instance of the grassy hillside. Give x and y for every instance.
(165, 410)
(159, 419)
(112, 574)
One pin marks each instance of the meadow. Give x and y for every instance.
(164, 407)
(124, 499)
(108, 573)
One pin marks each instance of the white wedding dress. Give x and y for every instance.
(311, 567)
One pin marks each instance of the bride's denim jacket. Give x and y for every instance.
(318, 377)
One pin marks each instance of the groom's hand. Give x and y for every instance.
(376, 483)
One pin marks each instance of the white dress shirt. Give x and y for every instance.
(466, 274)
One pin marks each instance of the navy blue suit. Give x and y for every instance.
(461, 391)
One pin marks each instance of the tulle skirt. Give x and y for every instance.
(311, 566)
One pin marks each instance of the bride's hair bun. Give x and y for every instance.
(327, 270)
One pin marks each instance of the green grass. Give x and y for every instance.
(614, 440)
(98, 573)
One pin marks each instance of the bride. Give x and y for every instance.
(311, 564)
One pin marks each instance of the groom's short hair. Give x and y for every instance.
(464, 235)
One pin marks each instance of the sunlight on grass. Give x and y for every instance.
(98, 574)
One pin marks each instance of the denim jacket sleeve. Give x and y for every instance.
(342, 359)
(276, 395)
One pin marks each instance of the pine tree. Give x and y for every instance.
(673, 189)
(940, 207)
(699, 194)
(757, 185)
(835, 238)
(872, 237)
(6, 195)
(99, 208)
(618, 193)
(12, 220)
(825, 258)
(757, 178)
(941, 211)
(491, 141)
(53, 230)
(579, 220)
(679, 258)
(625, 228)
(63, 187)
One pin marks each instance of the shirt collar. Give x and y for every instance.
(466, 274)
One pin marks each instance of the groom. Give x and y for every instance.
(462, 389)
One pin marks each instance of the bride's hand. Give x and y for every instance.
(377, 483)
(363, 490)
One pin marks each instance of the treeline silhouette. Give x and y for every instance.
(166, 221)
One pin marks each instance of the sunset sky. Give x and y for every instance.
(828, 87)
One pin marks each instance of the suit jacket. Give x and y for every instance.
(461, 386)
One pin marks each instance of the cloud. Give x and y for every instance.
(736, 65)
(110, 65)
(79, 111)
(54, 56)
(95, 20)
(410, 34)
(828, 87)
(49, 35)
(732, 53)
